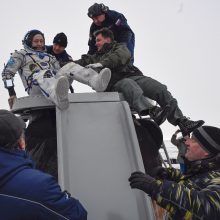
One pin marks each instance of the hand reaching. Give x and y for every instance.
(159, 172)
(141, 181)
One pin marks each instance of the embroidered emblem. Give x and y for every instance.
(32, 67)
(11, 61)
(41, 55)
(118, 22)
(43, 64)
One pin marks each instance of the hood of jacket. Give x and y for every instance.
(12, 162)
(31, 50)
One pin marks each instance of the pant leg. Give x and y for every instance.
(158, 92)
(88, 76)
(133, 94)
(45, 81)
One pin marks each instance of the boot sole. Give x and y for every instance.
(61, 90)
(164, 115)
(104, 78)
(200, 123)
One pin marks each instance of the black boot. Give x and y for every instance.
(159, 115)
(187, 126)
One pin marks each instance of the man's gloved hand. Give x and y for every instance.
(141, 181)
(94, 65)
(11, 101)
(159, 172)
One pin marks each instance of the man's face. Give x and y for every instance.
(100, 41)
(38, 42)
(194, 150)
(97, 20)
(57, 49)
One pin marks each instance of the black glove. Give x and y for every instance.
(141, 181)
(159, 172)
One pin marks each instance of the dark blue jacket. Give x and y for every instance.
(63, 58)
(120, 28)
(27, 193)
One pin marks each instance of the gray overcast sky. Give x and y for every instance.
(177, 43)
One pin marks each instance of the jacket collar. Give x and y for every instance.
(12, 162)
(30, 50)
(106, 47)
(204, 165)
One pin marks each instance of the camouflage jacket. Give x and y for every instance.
(193, 195)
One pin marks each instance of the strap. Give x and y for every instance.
(71, 89)
(35, 61)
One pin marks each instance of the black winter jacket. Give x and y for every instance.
(117, 23)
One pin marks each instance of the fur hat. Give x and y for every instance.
(60, 39)
(208, 137)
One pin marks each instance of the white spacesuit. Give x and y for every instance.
(41, 73)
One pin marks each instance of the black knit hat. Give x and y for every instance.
(97, 9)
(208, 137)
(11, 128)
(60, 39)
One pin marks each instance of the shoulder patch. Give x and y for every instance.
(11, 61)
(118, 22)
(41, 55)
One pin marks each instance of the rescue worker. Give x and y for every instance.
(58, 49)
(196, 193)
(130, 81)
(41, 73)
(27, 193)
(103, 17)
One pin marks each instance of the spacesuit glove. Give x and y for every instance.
(141, 181)
(94, 65)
